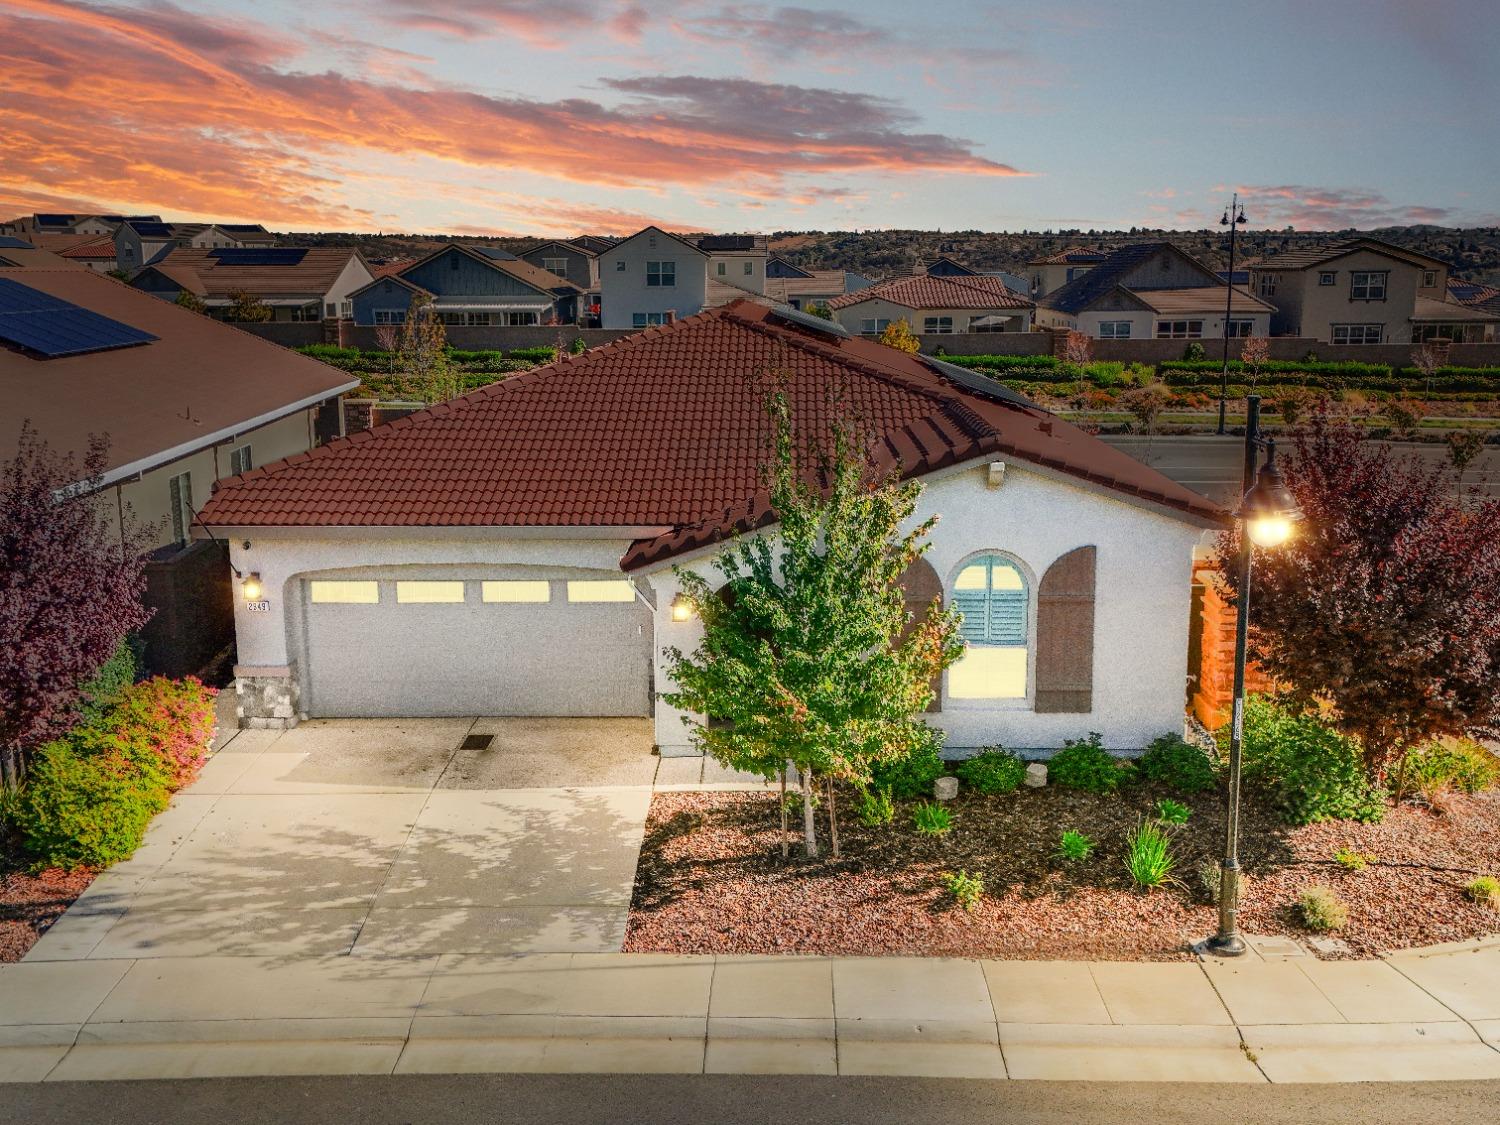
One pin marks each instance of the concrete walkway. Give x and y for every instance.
(1414, 1016)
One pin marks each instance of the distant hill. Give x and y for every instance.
(1472, 252)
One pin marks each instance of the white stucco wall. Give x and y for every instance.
(1143, 596)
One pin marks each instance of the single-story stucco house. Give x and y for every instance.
(511, 552)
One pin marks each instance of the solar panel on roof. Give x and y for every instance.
(52, 327)
(10, 242)
(807, 320)
(151, 230)
(240, 226)
(258, 255)
(495, 254)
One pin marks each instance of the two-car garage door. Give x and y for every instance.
(471, 646)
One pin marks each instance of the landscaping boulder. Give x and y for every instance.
(1036, 774)
(945, 788)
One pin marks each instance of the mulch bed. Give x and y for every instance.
(712, 879)
(31, 901)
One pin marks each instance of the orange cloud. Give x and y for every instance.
(161, 109)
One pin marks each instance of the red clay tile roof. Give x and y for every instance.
(923, 291)
(101, 247)
(665, 429)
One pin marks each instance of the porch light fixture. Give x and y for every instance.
(682, 608)
(252, 587)
(1268, 515)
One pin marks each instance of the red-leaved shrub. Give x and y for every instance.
(172, 719)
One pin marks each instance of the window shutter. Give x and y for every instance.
(1065, 634)
(919, 585)
(972, 604)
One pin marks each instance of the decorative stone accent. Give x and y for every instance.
(945, 788)
(265, 697)
(1036, 774)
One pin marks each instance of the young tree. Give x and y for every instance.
(1078, 350)
(1427, 358)
(247, 308)
(1464, 446)
(1253, 355)
(189, 300)
(1385, 604)
(803, 660)
(70, 590)
(820, 310)
(898, 334)
(1146, 403)
(422, 352)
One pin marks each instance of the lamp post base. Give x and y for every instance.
(1226, 945)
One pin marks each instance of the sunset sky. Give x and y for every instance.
(562, 116)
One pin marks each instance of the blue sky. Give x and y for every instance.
(558, 116)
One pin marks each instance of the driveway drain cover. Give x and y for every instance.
(477, 742)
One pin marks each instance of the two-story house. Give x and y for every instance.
(470, 285)
(1364, 291)
(653, 277)
(575, 263)
(140, 242)
(1046, 275)
(1152, 290)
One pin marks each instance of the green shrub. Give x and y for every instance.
(911, 776)
(99, 694)
(874, 807)
(1354, 861)
(539, 355)
(1322, 910)
(81, 809)
(1309, 771)
(1177, 764)
(993, 770)
(1169, 811)
(1148, 856)
(1074, 845)
(1460, 764)
(1485, 891)
(579, 345)
(1085, 764)
(931, 819)
(967, 889)
(1194, 352)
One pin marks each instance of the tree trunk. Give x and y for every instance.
(809, 826)
(833, 821)
(786, 832)
(10, 768)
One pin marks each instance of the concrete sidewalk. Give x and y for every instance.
(1431, 1014)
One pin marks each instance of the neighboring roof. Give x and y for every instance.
(1073, 255)
(929, 264)
(730, 243)
(1110, 273)
(718, 293)
(665, 431)
(1317, 255)
(387, 269)
(594, 242)
(33, 258)
(571, 247)
(313, 275)
(198, 383)
(1428, 309)
(821, 283)
(101, 247)
(545, 281)
(1474, 293)
(776, 260)
(1206, 298)
(923, 291)
(11, 242)
(149, 229)
(57, 243)
(668, 234)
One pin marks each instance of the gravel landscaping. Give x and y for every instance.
(711, 879)
(30, 902)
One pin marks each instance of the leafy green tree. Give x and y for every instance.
(247, 308)
(189, 300)
(898, 334)
(421, 352)
(803, 659)
(819, 310)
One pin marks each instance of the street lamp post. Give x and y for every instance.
(1234, 218)
(1267, 515)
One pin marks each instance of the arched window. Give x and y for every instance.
(991, 593)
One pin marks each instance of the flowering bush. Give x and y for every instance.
(172, 719)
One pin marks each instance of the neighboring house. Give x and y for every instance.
(1054, 271)
(143, 241)
(788, 284)
(1476, 295)
(466, 561)
(1365, 291)
(652, 278)
(297, 282)
(568, 261)
(30, 226)
(1152, 290)
(593, 242)
(473, 285)
(97, 252)
(183, 401)
(934, 306)
(736, 259)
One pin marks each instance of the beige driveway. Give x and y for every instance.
(384, 837)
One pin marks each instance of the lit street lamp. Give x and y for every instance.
(1234, 218)
(1268, 516)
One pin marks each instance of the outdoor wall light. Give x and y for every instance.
(682, 608)
(252, 587)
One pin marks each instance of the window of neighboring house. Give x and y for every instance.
(1241, 327)
(661, 274)
(1179, 329)
(343, 593)
(558, 266)
(330, 310)
(620, 266)
(451, 317)
(1327, 277)
(608, 590)
(1357, 333)
(749, 268)
(1367, 285)
(128, 251)
(988, 323)
(991, 593)
(869, 327)
(1114, 330)
(239, 461)
(390, 316)
(1429, 278)
(520, 319)
(937, 324)
(346, 309)
(646, 320)
(1268, 285)
(304, 313)
(723, 268)
(180, 491)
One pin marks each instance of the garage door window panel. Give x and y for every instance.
(429, 593)
(344, 593)
(590, 590)
(516, 592)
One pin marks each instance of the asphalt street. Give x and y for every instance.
(733, 1100)
(1211, 465)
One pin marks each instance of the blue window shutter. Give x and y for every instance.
(971, 603)
(1008, 617)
